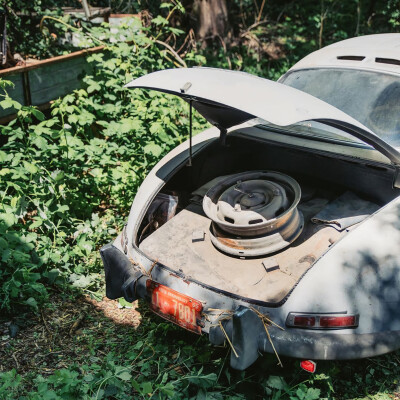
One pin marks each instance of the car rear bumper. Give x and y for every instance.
(245, 329)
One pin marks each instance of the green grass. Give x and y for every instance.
(77, 348)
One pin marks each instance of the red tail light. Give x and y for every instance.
(304, 320)
(336, 322)
(322, 321)
(308, 365)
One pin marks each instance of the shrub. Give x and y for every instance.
(67, 179)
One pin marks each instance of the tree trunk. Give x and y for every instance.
(212, 20)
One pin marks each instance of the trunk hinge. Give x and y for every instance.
(222, 135)
(396, 177)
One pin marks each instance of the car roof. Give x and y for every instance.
(379, 52)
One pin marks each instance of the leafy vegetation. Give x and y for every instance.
(265, 38)
(107, 360)
(23, 34)
(67, 180)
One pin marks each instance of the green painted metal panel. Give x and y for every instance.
(55, 80)
(46, 94)
(48, 82)
(16, 92)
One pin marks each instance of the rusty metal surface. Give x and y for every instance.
(254, 213)
(53, 60)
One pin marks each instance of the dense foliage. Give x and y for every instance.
(67, 176)
(264, 38)
(23, 34)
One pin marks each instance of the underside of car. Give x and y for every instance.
(203, 223)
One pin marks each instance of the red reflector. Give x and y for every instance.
(330, 322)
(300, 320)
(308, 365)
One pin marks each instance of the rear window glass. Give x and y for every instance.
(371, 98)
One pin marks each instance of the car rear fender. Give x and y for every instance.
(158, 176)
(360, 274)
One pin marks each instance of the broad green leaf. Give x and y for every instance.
(127, 125)
(73, 119)
(9, 219)
(3, 244)
(312, 394)
(62, 208)
(124, 375)
(36, 223)
(276, 382)
(5, 171)
(153, 149)
(203, 381)
(124, 303)
(159, 20)
(7, 103)
(88, 378)
(168, 389)
(31, 237)
(94, 86)
(3, 156)
(156, 128)
(32, 169)
(80, 281)
(52, 275)
(40, 142)
(37, 113)
(31, 302)
(146, 388)
(176, 31)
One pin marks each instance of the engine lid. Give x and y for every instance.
(227, 98)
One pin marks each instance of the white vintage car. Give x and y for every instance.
(277, 230)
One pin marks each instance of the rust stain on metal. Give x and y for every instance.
(230, 242)
(310, 258)
(53, 60)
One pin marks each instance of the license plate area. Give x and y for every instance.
(174, 306)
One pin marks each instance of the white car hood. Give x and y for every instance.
(227, 98)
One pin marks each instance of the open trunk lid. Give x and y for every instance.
(227, 98)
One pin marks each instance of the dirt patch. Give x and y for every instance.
(112, 310)
(68, 330)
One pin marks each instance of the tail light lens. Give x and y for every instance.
(348, 321)
(308, 365)
(322, 321)
(304, 320)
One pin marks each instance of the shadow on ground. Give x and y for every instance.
(77, 331)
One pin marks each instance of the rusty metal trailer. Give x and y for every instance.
(41, 82)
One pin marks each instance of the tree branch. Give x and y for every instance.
(172, 51)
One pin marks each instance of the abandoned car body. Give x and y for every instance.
(279, 228)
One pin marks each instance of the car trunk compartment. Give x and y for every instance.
(183, 243)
